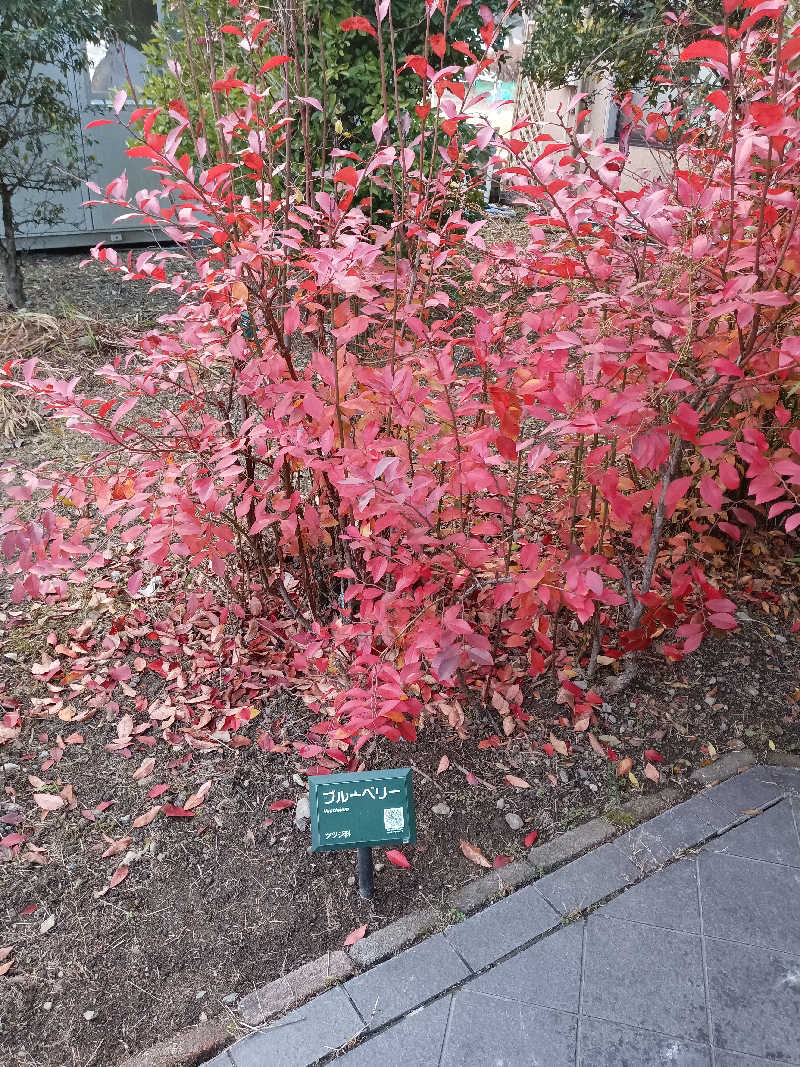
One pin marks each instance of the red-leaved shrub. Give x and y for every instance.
(377, 459)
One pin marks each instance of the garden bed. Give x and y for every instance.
(215, 903)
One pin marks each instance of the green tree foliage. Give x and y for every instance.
(42, 46)
(616, 39)
(338, 67)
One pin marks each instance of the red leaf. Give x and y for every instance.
(706, 49)
(147, 817)
(175, 812)
(358, 22)
(767, 114)
(395, 856)
(653, 756)
(281, 805)
(354, 935)
(274, 61)
(438, 44)
(547, 749)
(501, 861)
(157, 791)
(119, 875)
(530, 838)
(444, 763)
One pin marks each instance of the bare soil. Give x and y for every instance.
(217, 903)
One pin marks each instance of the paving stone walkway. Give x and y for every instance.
(678, 943)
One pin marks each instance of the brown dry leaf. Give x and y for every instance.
(48, 802)
(500, 704)
(651, 773)
(125, 727)
(624, 766)
(68, 793)
(198, 798)
(37, 783)
(144, 770)
(147, 818)
(559, 746)
(509, 723)
(474, 855)
(596, 746)
(444, 763)
(5, 952)
(116, 847)
(520, 783)
(6, 967)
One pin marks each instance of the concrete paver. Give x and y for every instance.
(695, 965)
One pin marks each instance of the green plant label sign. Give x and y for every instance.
(367, 808)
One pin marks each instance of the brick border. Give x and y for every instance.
(196, 1044)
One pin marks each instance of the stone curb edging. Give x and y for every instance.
(196, 1044)
(188, 1048)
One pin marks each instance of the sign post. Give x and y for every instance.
(361, 811)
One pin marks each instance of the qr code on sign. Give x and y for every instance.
(393, 819)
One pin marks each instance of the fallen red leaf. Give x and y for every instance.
(157, 790)
(395, 856)
(444, 763)
(281, 805)
(547, 749)
(531, 838)
(501, 861)
(175, 812)
(354, 935)
(653, 756)
(518, 783)
(474, 855)
(147, 817)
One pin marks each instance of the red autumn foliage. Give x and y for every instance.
(377, 459)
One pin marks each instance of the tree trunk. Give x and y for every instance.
(8, 247)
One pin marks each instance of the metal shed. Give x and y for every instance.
(109, 66)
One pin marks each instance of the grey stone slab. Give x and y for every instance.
(748, 791)
(771, 836)
(548, 973)
(416, 975)
(738, 1059)
(566, 847)
(222, 1060)
(658, 840)
(307, 1034)
(487, 1031)
(750, 901)
(416, 1041)
(605, 1044)
(754, 997)
(667, 898)
(580, 884)
(502, 927)
(646, 977)
(393, 937)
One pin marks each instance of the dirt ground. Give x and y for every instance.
(220, 892)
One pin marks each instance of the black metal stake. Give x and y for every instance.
(366, 872)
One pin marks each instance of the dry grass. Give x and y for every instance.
(63, 346)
